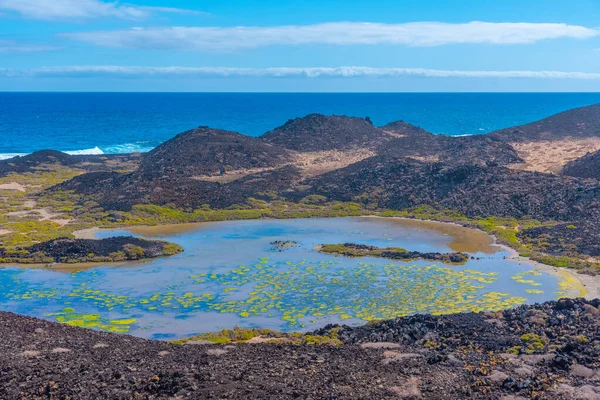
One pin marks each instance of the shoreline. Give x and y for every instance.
(585, 286)
(580, 285)
(589, 285)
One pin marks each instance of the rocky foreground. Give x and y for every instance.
(547, 351)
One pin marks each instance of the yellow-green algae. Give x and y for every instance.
(567, 282)
(303, 290)
(68, 316)
(294, 292)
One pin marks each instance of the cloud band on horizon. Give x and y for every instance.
(421, 34)
(282, 72)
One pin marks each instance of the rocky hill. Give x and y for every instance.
(186, 172)
(402, 128)
(405, 166)
(317, 132)
(587, 166)
(206, 151)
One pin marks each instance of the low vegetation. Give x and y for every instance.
(239, 335)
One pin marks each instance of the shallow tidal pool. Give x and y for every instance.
(230, 274)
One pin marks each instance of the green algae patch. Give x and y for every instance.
(123, 321)
(68, 316)
(525, 278)
(534, 291)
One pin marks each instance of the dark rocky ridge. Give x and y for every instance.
(584, 167)
(412, 167)
(45, 160)
(580, 237)
(163, 177)
(122, 191)
(30, 162)
(462, 150)
(317, 132)
(546, 351)
(578, 123)
(399, 183)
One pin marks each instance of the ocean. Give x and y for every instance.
(96, 123)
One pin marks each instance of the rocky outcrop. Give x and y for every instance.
(361, 250)
(402, 128)
(584, 167)
(480, 150)
(64, 250)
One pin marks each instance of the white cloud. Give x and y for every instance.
(171, 10)
(340, 33)
(281, 72)
(81, 9)
(12, 47)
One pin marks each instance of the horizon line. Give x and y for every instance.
(285, 92)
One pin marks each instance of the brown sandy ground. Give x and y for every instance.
(309, 163)
(551, 155)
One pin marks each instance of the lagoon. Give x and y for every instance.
(231, 274)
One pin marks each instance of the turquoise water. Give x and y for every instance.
(125, 122)
(230, 274)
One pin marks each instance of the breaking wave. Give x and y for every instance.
(140, 147)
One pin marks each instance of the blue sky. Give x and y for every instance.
(352, 45)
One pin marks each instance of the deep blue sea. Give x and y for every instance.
(125, 122)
